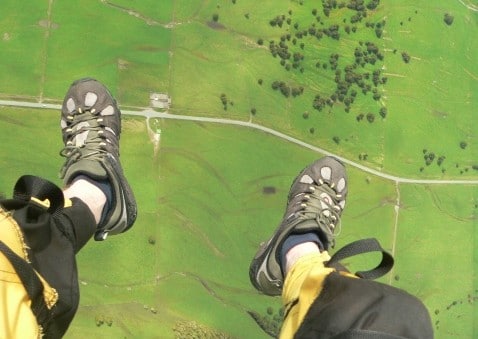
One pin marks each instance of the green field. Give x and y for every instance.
(202, 209)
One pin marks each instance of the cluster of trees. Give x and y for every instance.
(357, 5)
(353, 76)
(287, 90)
(358, 76)
(378, 27)
(282, 48)
(225, 101)
(100, 320)
(363, 156)
(294, 60)
(370, 117)
(279, 21)
(430, 157)
(270, 322)
(368, 54)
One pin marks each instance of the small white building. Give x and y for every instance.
(160, 100)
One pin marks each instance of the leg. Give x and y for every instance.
(91, 128)
(98, 201)
(315, 203)
(319, 301)
(90, 194)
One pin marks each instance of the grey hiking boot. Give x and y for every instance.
(91, 127)
(315, 203)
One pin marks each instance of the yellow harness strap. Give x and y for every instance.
(16, 317)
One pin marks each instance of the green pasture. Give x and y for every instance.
(205, 209)
(202, 208)
(176, 47)
(434, 91)
(437, 225)
(23, 48)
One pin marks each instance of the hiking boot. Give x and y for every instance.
(91, 127)
(315, 203)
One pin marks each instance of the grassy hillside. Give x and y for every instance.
(187, 257)
(203, 209)
(179, 48)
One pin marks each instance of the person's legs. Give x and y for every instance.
(293, 261)
(96, 200)
(302, 285)
(320, 301)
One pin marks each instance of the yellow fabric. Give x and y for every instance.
(67, 203)
(16, 318)
(302, 286)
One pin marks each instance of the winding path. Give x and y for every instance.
(470, 7)
(149, 113)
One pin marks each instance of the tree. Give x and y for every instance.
(448, 18)
(336, 139)
(463, 144)
(215, 17)
(253, 111)
(373, 4)
(224, 99)
(370, 117)
(260, 42)
(405, 57)
(383, 112)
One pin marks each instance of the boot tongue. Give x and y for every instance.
(91, 168)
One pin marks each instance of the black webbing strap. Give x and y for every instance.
(360, 247)
(29, 186)
(31, 282)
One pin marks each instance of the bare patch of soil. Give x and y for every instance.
(215, 25)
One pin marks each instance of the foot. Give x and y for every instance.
(315, 203)
(91, 128)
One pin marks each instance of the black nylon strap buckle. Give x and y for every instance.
(31, 189)
(360, 247)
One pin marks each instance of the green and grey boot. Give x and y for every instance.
(91, 128)
(315, 203)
